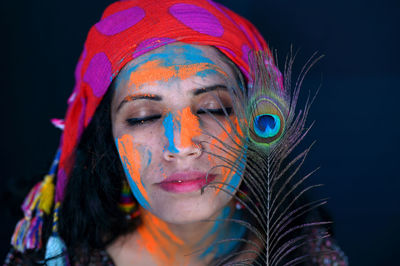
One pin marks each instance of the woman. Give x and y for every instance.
(171, 149)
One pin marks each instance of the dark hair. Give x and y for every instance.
(89, 216)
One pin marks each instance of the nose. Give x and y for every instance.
(182, 134)
(190, 152)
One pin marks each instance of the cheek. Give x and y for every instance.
(229, 145)
(134, 159)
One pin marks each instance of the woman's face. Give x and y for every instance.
(169, 124)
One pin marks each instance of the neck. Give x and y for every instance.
(174, 244)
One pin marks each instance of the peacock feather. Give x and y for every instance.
(272, 190)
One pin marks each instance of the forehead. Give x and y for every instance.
(179, 54)
(174, 62)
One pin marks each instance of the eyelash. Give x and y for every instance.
(219, 111)
(148, 119)
(142, 120)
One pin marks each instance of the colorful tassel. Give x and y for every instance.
(55, 252)
(28, 232)
(47, 194)
(17, 240)
(55, 249)
(29, 204)
(33, 238)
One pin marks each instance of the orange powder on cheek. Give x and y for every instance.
(227, 135)
(131, 160)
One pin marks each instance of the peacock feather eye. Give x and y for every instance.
(267, 122)
(267, 125)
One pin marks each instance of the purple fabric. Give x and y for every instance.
(61, 184)
(77, 76)
(81, 122)
(98, 74)
(197, 19)
(151, 44)
(227, 50)
(249, 38)
(246, 50)
(120, 21)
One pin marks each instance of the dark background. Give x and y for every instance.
(356, 112)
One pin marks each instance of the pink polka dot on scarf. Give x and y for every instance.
(120, 21)
(197, 19)
(98, 74)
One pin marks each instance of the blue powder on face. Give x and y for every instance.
(182, 55)
(235, 180)
(188, 56)
(168, 124)
(173, 55)
(233, 231)
(150, 157)
(135, 190)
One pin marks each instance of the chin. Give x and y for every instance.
(189, 208)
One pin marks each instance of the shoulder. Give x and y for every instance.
(16, 258)
(324, 250)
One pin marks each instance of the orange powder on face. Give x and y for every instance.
(155, 236)
(152, 71)
(159, 240)
(223, 137)
(189, 127)
(226, 135)
(131, 161)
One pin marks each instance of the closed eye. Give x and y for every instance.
(142, 120)
(219, 111)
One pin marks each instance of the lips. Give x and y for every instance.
(182, 182)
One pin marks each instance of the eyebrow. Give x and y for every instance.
(158, 98)
(208, 89)
(131, 98)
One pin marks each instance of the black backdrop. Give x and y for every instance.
(356, 112)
